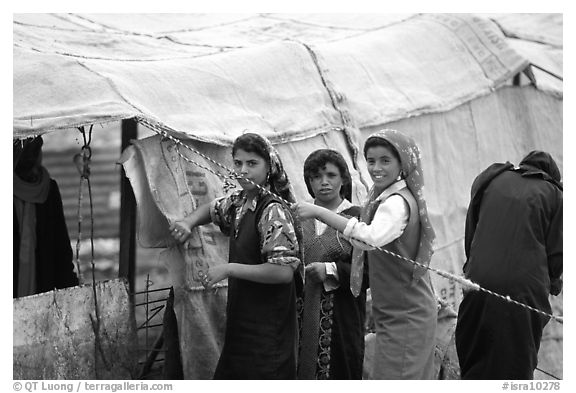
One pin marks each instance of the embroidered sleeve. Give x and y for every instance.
(221, 211)
(278, 237)
(388, 225)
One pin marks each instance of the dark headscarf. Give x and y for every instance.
(540, 163)
(30, 180)
(536, 163)
(278, 178)
(414, 177)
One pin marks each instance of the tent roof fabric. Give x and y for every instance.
(212, 76)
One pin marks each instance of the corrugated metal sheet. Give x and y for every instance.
(105, 184)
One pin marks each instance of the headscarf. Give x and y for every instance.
(32, 188)
(279, 185)
(277, 178)
(27, 159)
(540, 163)
(414, 177)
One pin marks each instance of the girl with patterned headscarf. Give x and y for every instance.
(395, 219)
(261, 323)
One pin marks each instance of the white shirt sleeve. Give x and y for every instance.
(388, 225)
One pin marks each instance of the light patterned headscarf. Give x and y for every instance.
(414, 177)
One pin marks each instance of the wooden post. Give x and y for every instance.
(127, 268)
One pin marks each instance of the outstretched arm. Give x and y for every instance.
(181, 229)
(387, 224)
(265, 273)
(334, 220)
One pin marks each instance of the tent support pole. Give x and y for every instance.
(127, 268)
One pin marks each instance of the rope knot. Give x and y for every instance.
(82, 161)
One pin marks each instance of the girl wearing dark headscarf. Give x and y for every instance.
(513, 245)
(332, 337)
(394, 218)
(261, 328)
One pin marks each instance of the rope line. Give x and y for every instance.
(79, 238)
(461, 280)
(549, 374)
(547, 71)
(82, 160)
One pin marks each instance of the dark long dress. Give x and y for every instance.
(261, 326)
(514, 247)
(334, 348)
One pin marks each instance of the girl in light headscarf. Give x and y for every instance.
(261, 325)
(394, 218)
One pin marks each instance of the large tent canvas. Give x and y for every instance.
(453, 82)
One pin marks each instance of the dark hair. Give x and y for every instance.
(318, 160)
(378, 141)
(251, 143)
(278, 180)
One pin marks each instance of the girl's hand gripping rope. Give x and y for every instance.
(305, 210)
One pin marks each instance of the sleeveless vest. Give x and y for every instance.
(261, 318)
(407, 244)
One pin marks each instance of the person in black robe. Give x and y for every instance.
(42, 255)
(513, 244)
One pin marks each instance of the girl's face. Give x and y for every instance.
(326, 183)
(383, 166)
(251, 166)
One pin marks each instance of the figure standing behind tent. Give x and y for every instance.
(42, 255)
(261, 326)
(395, 218)
(513, 245)
(332, 337)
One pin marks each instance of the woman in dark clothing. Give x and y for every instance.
(42, 256)
(261, 326)
(332, 340)
(513, 245)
